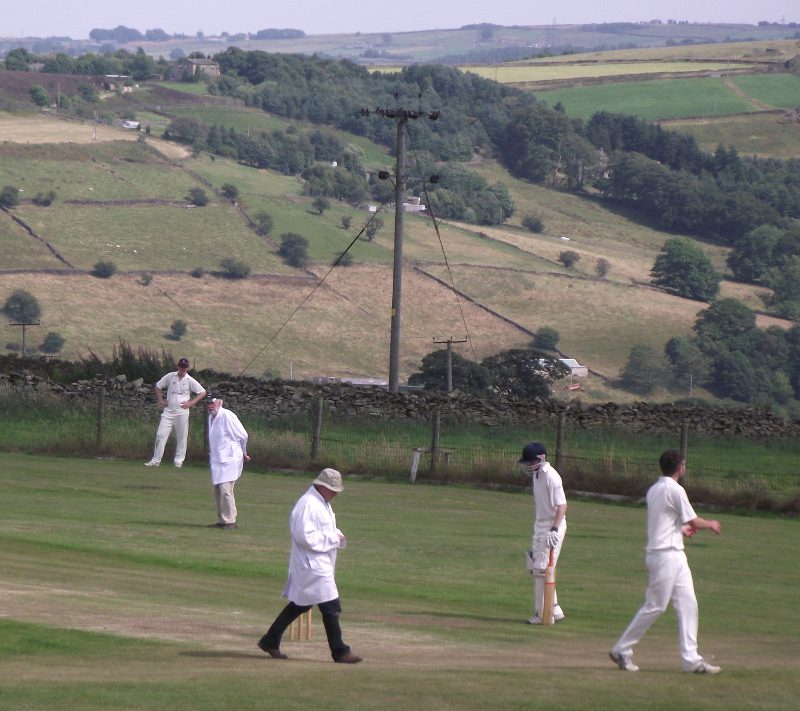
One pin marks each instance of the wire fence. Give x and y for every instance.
(733, 474)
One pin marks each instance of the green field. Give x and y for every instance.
(779, 90)
(116, 595)
(651, 100)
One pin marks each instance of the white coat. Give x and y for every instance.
(227, 445)
(312, 562)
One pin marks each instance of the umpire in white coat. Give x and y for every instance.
(312, 566)
(227, 453)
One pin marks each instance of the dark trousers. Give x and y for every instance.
(330, 618)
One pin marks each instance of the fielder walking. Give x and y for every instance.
(180, 386)
(549, 524)
(670, 519)
(227, 453)
(312, 566)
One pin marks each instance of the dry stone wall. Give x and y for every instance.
(251, 396)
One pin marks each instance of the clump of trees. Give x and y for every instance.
(520, 373)
(727, 354)
(684, 269)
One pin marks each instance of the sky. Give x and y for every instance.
(75, 18)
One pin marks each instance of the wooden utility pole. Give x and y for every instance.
(402, 117)
(450, 342)
(24, 326)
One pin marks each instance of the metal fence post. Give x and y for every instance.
(317, 431)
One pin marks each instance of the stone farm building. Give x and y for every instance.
(188, 68)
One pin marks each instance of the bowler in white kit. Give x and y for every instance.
(670, 518)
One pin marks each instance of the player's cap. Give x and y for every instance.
(183, 363)
(532, 451)
(209, 398)
(330, 479)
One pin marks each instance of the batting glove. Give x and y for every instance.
(552, 539)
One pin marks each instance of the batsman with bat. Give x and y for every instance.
(670, 519)
(549, 528)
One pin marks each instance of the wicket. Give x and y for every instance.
(297, 627)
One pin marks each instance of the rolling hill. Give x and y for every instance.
(126, 201)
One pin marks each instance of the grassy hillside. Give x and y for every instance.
(762, 134)
(127, 201)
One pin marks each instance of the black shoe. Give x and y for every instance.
(274, 653)
(215, 525)
(229, 525)
(349, 658)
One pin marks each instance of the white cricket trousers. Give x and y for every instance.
(541, 558)
(226, 503)
(179, 419)
(670, 579)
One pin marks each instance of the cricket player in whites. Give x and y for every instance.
(670, 519)
(549, 525)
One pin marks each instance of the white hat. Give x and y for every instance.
(330, 479)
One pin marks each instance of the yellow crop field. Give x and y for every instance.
(529, 73)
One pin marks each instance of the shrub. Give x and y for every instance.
(546, 338)
(178, 329)
(198, 272)
(345, 260)
(263, 222)
(346, 221)
(294, 250)
(198, 196)
(44, 199)
(53, 342)
(104, 269)
(234, 269)
(373, 227)
(145, 279)
(602, 267)
(22, 307)
(9, 196)
(569, 258)
(321, 204)
(534, 223)
(39, 95)
(230, 191)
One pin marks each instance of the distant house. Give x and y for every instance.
(189, 68)
(413, 204)
(135, 125)
(576, 369)
(117, 82)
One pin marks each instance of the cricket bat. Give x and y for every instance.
(549, 591)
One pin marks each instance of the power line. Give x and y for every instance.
(311, 293)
